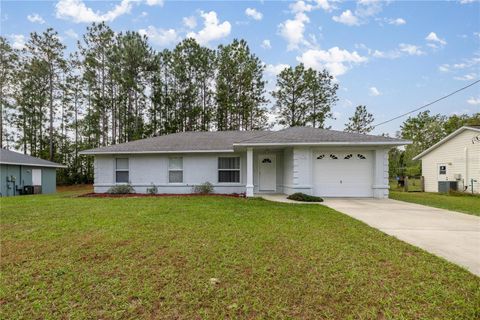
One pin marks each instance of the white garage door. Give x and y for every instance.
(343, 174)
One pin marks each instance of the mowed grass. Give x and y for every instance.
(465, 203)
(64, 257)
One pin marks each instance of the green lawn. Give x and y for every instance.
(64, 257)
(461, 203)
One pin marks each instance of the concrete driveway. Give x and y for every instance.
(451, 235)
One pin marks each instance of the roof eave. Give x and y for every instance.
(92, 153)
(35, 165)
(447, 138)
(287, 144)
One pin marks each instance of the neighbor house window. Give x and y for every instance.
(175, 170)
(229, 169)
(121, 170)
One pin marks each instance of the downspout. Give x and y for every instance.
(465, 177)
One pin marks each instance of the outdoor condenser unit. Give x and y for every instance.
(446, 186)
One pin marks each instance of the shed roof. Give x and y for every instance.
(447, 138)
(16, 158)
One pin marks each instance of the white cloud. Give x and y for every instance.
(266, 44)
(213, 30)
(161, 37)
(254, 14)
(474, 101)
(78, 12)
(154, 2)
(368, 8)
(72, 34)
(273, 70)
(336, 61)
(301, 6)
(18, 41)
(190, 22)
(365, 9)
(348, 18)
(35, 18)
(410, 49)
(397, 22)
(373, 91)
(467, 1)
(307, 6)
(433, 39)
(325, 5)
(444, 68)
(467, 77)
(293, 30)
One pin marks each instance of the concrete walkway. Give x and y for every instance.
(448, 234)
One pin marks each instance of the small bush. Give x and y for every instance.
(304, 197)
(204, 188)
(152, 190)
(121, 189)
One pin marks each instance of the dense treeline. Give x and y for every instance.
(114, 88)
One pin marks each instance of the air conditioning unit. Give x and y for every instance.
(446, 186)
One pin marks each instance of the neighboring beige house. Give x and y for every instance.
(454, 158)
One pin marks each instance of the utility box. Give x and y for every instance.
(447, 186)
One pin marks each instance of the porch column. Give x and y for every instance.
(249, 172)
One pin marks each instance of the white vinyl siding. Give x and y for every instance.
(121, 170)
(461, 157)
(175, 170)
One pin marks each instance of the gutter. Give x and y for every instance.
(35, 165)
(153, 152)
(287, 144)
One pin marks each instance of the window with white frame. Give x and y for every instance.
(229, 169)
(121, 170)
(175, 170)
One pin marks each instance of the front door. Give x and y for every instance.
(267, 173)
(36, 177)
(442, 172)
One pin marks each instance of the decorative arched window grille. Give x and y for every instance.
(320, 157)
(266, 160)
(348, 156)
(361, 156)
(334, 157)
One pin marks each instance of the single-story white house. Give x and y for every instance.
(299, 159)
(454, 158)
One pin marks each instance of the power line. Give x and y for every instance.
(428, 104)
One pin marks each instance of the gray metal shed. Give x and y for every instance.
(23, 174)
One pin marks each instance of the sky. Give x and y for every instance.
(391, 56)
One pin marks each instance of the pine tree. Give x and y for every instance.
(290, 101)
(320, 96)
(361, 121)
(49, 51)
(240, 88)
(8, 62)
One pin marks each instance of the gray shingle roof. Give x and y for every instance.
(226, 140)
(11, 157)
(312, 135)
(180, 142)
